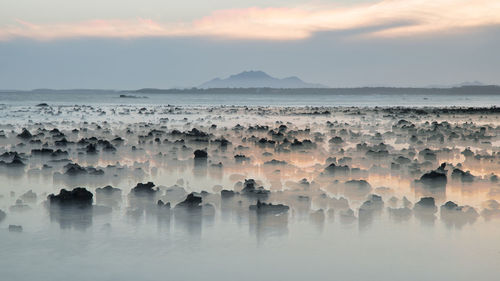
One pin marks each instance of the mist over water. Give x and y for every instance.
(221, 187)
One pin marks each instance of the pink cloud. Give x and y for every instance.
(418, 16)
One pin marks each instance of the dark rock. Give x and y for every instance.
(79, 197)
(142, 189)
(108, 190)
(191, 201)
(25, 134)
(162, 204)
(434, 179)
(227, 193)
(249, 188)
(42, 152)
(73, 169)
(333, 170)
(269, 208)
(200, 154)
(15, 163)
(462, 176)
(426, 202)
(275, 162)
(91, 148)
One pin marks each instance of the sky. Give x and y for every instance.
(125, 44)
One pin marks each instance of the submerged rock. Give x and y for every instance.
(3, 215)
(15, 228)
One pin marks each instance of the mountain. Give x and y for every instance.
(258, 79)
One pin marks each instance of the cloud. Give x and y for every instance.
(389, 18)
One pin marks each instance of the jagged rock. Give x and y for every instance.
(25, 134)
(79, 197)
(162, 204)
(333, 169)
(191, 201)
(249, 188)
(73, 169)
(142, 189)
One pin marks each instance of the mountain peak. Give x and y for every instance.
(258, 79)
(251, 74)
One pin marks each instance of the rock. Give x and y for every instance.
(336, 140)
(3, 215)
(227, 194)
(333, 169)
(142, 189)
(200, 154)
(191, 201)
(249, 188)
(161, 204)
(19, 206)
(454, 215)
(275, 162)
(108, 190)
(462, 176)
(434, 179)
(79, 197)
(25, 134)
(15, 163)
(29, 196)
(73, 169)
(427, 202)
(269, 208)
(426, 205)
(400, 214)
(15, 228)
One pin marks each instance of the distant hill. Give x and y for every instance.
(463, 90)
(258, 79)
(463, 84)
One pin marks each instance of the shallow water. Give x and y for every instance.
(129, 237)
(71, 97)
